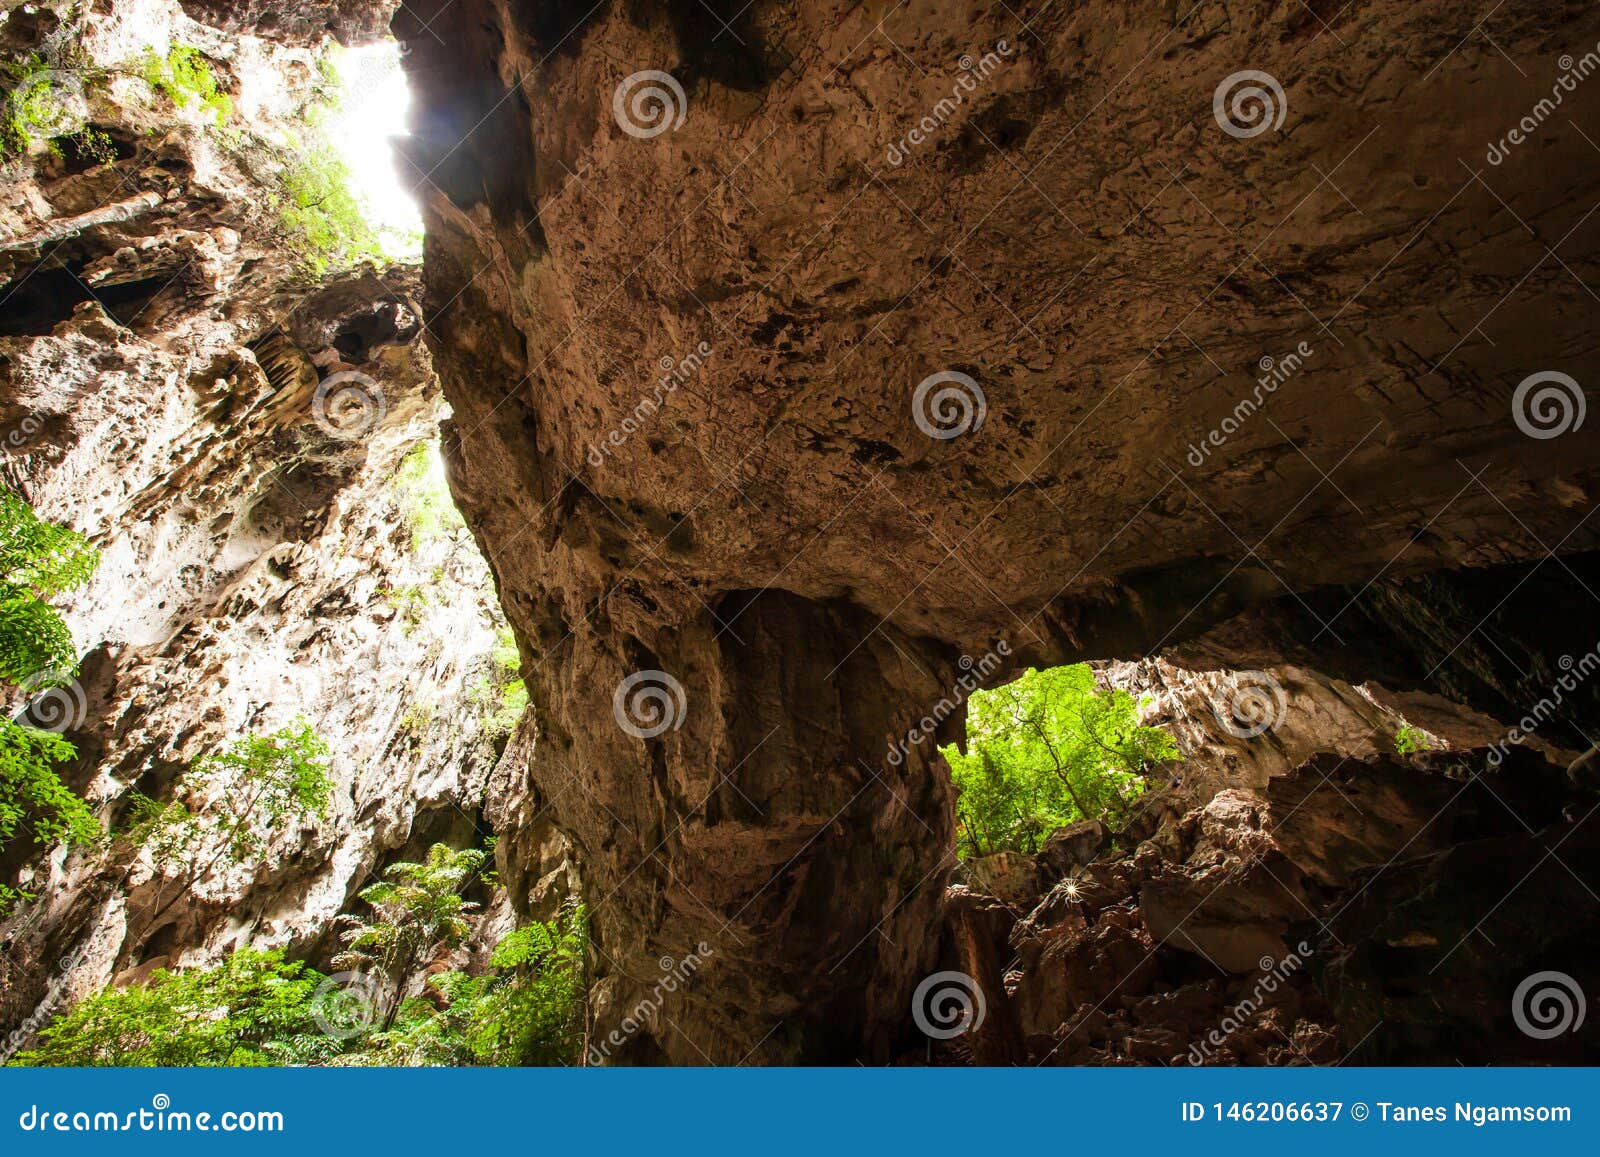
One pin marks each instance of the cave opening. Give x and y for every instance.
(372, 107)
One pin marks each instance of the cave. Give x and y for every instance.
(806, 378)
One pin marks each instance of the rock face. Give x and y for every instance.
(228, 433)
(1192, 364)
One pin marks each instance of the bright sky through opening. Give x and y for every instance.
(373, 102)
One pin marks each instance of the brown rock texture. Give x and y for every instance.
(684, 355)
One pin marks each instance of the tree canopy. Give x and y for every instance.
(1046, 750)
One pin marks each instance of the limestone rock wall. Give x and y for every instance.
(684, 322)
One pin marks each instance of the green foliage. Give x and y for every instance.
(502, 688)
(32, 796)
(527, 1011)
(1047, 750)
(262, 781)
(324, 221)
(416, 911)
(34, 106)
(423, 495)
(1410, 740)
(185, 78)
(38, 561)
(268, 779)
(257, 1009)
(253, 1009)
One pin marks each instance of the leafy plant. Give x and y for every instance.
(253, 1009)
(502, 687)
(527, 1011)
(1410, 740)
(416, 911)
(1046, 750)
(263, 781)
(35, 105)
(38, 561)
(423, 495)
(324, 222)
(185, 78)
